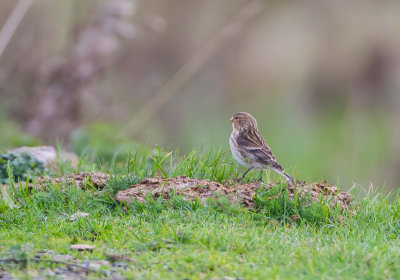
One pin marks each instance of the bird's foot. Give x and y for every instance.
(238, 180)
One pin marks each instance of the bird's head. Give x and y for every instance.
(243, 121)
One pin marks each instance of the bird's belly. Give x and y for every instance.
(236, 154)
(239, 157)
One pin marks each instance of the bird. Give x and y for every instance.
(249, 148)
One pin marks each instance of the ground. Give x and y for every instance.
(82, 228)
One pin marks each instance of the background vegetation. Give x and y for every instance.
(321, 77)
(104, 77)
(178, 239)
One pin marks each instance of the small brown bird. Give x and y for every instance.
(249, 148)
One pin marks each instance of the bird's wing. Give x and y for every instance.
(255, 144)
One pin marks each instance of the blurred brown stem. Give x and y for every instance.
(188, 70)
(13, 22)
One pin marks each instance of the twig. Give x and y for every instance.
(87, 269)
(187, 71)
(13, 22)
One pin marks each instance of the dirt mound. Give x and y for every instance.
(81, 180)
(240, 193)
(191, 189)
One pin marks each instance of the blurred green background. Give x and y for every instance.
(321, 77)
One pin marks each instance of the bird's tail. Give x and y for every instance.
(287, 176)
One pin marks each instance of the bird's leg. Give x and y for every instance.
(245, 173)
(260, 179)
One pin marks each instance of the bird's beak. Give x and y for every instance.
(231, 119)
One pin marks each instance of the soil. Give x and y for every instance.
(202, 189)
(191, 189)
(82, 180)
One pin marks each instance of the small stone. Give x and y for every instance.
(63, 257)
(4, 275)
(342, 220)
(295, 218)
(48, 156)
(96, 265)
(79, 214)
(82, 247)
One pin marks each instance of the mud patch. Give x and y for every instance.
(202, 189)
(82, 180)
(316, 191)
(191, 189)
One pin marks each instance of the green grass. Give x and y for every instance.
(176, 239)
